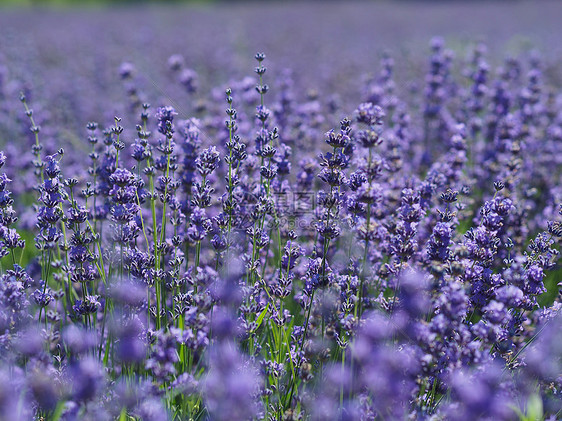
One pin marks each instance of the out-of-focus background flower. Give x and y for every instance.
(329, 46)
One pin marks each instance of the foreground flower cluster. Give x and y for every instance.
(248, 265)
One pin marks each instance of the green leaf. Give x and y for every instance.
(123, 416)
(534, 408)
(260, 318)
(58, 411)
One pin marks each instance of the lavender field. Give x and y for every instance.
(281, 211)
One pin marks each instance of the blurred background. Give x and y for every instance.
(81, 2)
(82, 58)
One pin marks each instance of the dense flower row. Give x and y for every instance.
(231, 265)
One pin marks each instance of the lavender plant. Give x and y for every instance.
(243, 265)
